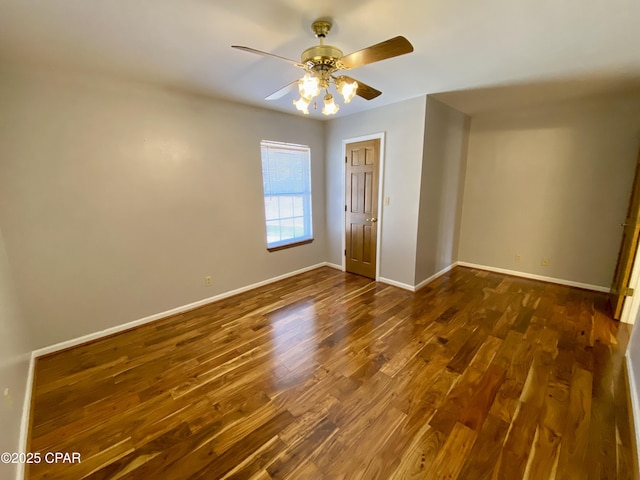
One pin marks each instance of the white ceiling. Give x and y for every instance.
(479, 52)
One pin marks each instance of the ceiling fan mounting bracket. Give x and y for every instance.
(321, 28)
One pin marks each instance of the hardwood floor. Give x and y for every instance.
(329, 375)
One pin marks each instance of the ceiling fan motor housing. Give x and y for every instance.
(325, 55)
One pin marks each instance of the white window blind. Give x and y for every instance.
(287, 193)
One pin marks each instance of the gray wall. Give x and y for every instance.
(116, 200)
(550, 182)
(403, 125)
(441, 189)
(15, 352)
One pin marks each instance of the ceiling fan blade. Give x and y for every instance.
(364, 90)
(380, 51)
(265, 54)
(283, 91)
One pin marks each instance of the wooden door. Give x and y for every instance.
(361, 206)
(628, 247)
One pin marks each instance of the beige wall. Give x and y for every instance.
(116, 199)
(403, 127)
(443, 169)
(15, 350)
(550, 182)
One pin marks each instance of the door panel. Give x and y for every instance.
(628, 247)
(367, 247)
(361, 212)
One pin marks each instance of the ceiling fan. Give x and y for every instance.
(322, 61)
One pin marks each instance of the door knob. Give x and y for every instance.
(374, 219)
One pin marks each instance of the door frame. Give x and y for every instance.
(345, 142)
(631, 305)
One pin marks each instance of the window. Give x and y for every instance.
(286, 180)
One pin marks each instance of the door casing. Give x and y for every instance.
(381, 196)
(630, 274)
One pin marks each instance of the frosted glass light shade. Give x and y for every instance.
(309, 86)
(347, 88)
(330, 107)
(302, 104)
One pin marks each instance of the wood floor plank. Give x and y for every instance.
(457, 402)
(447, 464)
(419, 458)
(543, 457)
(255, 464)
(293, 457)
(572, 460)
(480, 464)
(481, 401)
(518, 443)
(328, 375)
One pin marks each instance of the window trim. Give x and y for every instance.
(307, 195)
(289, 245)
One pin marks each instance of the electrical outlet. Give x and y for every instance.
(518, 257)
(8, 399)
(387, 201)
(207, 281)
(545, 262)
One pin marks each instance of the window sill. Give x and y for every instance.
(289, 245)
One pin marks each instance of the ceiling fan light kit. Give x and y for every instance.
(321, 61)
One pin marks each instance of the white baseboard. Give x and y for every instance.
(560, 281)
(634, 413)
(424, 283)
(531, 276)
(26, 415)
(405, 286)
(334, 265)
